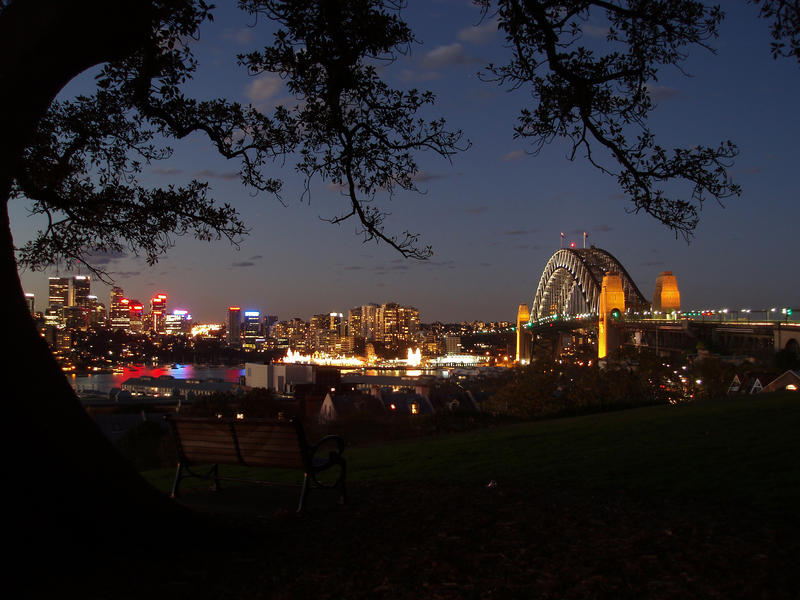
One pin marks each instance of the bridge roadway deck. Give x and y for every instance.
(678, 335)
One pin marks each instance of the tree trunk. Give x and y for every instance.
(63, 477)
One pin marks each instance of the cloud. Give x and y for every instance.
(519, 231)
(409, 75)
(241, 36)
(447, 264)
(335, 187)
(105, 258)
(209, 174)
(594, 31)
(662, 92)
(445, 56)
(514, 155)
(424, 176)
(262, 90)
(167, 171)
(479, 34)
(256, 257)
(476, 210)
(245, 263)
(602, 228)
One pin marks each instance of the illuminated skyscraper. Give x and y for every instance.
(397, 324)
(29, 300)
(58, 288)
(158, 312)
(252, 329)
(136, 316)
(81, 289)
(119, 309)
(178, 323)
(234, 325)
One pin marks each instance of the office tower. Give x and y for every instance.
(136, 316)
(452, 344)
(355, 323)
(369, 321)
(234, 325)
(29, 300)
(96, 311)
(81, 288)
(120, 310)
(177, 323)
(158, 312)
(58, 288)
(252, 329)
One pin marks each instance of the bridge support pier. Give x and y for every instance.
(612, 307)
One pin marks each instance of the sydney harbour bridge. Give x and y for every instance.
(589, 289)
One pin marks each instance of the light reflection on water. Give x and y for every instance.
(104, 382)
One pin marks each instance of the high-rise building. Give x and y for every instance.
(370, 322)
(178, 323)
(452, 344)
(234, 325)
(29, 300)
(252, 329)
(120, 309)
(158, 312)
(58, 288)
(96, 311)
(399, 324)
(137, 316)
(81, 289)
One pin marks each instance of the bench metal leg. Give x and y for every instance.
(177, 480)
(304, 492)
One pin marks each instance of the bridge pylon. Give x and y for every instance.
(612, 307)
(523, 337)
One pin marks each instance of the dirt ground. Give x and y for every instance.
(457, 541)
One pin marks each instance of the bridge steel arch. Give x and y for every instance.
(572, 280)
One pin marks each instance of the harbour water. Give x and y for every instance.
(102, 383)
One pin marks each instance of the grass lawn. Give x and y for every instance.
(742, 450)
(663, 503)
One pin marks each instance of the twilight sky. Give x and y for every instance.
(494, 215)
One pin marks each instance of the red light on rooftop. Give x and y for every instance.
(572, 244)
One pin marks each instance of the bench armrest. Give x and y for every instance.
(338, 440)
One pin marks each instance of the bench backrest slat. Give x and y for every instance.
(269, 444)
(262, 443)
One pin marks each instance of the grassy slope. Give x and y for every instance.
(742, 450)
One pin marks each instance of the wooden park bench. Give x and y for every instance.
(208, 441)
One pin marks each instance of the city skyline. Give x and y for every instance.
(494, 215)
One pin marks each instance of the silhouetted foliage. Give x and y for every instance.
(599, 100)
(81, 165)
